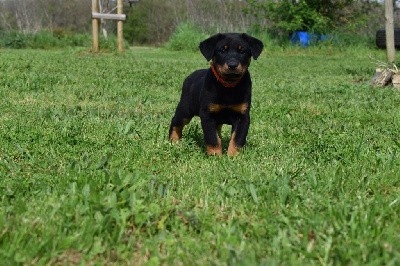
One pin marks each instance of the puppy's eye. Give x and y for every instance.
(241, 50)
(224, 49)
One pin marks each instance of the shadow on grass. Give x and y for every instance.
(194, 134)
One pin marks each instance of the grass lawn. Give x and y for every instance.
(89, 176)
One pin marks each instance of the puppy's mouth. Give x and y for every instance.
(231, 74)
(229, 77)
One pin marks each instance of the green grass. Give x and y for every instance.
(88, 175)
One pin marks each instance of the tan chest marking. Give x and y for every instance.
(238, 108)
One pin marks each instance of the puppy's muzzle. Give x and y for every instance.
(232, 65)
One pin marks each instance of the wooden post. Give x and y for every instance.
(95, 25)
(390, 49)
(120, 24)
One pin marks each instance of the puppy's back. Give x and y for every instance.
(191, 90)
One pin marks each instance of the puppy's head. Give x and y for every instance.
(231, 53)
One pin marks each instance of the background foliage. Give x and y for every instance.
(153, 22)
(316, 16)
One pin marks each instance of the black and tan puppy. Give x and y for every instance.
(220, 94)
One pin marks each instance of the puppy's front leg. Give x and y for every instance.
(211, 138)
(239, 134)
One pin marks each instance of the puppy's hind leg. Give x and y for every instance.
(176, 128)
(177, 124)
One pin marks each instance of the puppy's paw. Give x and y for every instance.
(233, 151)
(217, 150)
(176, 134)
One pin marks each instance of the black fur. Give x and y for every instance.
(222, 98)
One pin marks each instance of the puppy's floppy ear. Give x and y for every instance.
(207, 47)
(256, 46)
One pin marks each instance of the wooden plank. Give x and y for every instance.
(120, 17)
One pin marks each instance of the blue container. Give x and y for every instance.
(305, 39)
(300, 37)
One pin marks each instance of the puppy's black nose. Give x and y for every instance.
(232, 65)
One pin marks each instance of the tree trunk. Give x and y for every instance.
(390, 49)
